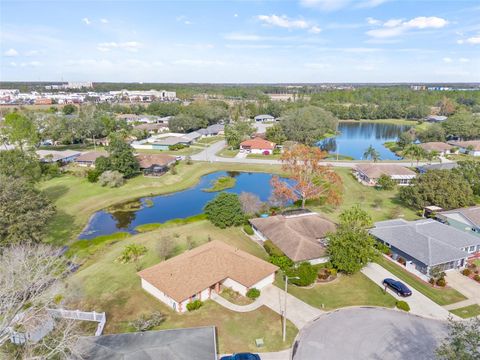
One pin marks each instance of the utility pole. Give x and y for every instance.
(284, 333)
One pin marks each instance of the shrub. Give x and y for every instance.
(253, 293)
(402, 261)
(131, 253)
(266, 152)
(225, 210)
(283, 262)
(466, 272)
(476, 278)
(248, 229)
(441, 282)
(305, 272)
(194, 305)
(403, 305)
(386, 183)
(111, 179)
(272, 249)
(333, 272)
(147, 322)
(177, 147)
(432, 281)
(173, 169)
(188, 160)
(93, 175)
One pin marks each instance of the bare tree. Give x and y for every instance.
(251, 203)
(165, 247)
(29, 276)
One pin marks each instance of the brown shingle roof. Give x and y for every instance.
(435, 146)
(465, 144)
(193, 271)
(148, 160)
(91, 156)
(471, 213)
(296, 236)
(374, 171)
(258, 143)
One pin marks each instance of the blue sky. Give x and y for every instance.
(241, 41)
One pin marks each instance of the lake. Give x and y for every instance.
(356, 137)
(182, 204)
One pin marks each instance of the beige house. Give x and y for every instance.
(368, 174)
(197, 273)
(440, 147)
(471, 147)
(88, 158)
(300, 235)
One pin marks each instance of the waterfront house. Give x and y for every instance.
(368, 174)
(257, 146)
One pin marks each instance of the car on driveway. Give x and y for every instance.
(241, 356)
(397, 286)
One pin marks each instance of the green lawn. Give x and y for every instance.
(210, 140)
(380, 204)
(102, 284)
(442, 297)
(229, 153)
(354, 290)
(467, 311)
(264, 157)
(222, 183)
(188, 151)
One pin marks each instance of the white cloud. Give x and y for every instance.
(396, 27)
(197, 62)
(464, 60)
(372, 21)
(332, 5)
(104, 21)
(30, 64)
(184, 19)
(447, 60)
(474, 40)
(235, 15)
(287, 23)
(242, 37)
(11, 53)
(132, 46)
(86, 21)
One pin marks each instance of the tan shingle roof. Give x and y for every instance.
(296, 236)
(148, 160)
(91, 156)
(435, 146)
(471, 213)
(374, 171)
(465, 144)
(193, 271)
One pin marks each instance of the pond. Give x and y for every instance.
(356, 137)
(182, 204)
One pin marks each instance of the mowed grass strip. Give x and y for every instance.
(352, 290)
(467, 311)
(103, 284)
(441, 296)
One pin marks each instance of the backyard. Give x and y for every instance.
(103, 284)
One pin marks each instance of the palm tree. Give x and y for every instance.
(413, 151)
(371, 153)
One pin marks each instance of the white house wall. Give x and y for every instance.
(264, 282)
(232, 284)
(321, 260)
(160, 295)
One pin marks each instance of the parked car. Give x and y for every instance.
(241, 356)
(397, 286)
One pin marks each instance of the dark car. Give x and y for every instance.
(397, 286)
(241, 356)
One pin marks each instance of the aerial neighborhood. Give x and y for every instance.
(244, 181)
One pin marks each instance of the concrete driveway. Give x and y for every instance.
(369, 333)
(419, 303)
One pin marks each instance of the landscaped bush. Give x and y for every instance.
(225, 210)
(253, 293)
(466, 272)
(248, 229)
(131, 253)
(147, 322)
(476, 278)
(272, 249)
(403, 305)
(431, 281)
(177, 147)
(441, 282)
(283, 262)
(111, 179)
(333, 272)
(305, 272)
(386, 183)
(194, 305)
(93, 175)
(402, 261)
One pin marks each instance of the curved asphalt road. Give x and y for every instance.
(370, 333)
(209, 154)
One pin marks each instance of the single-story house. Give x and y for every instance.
(257, 146)
(427, 243)
(88, 158)
(264, 118)
(212, 130)
(443, 166)
(467, 219)
(300, 235)
(368, 174)
(155, 164)
(173, 344)
(440, 147)
(152, 128)
(192, 136)
(436, 118)
(51, 156)
(197, 273)
(471, 147)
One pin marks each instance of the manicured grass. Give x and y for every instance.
(102, 284)
(210, 139)
(222, 183)
(467, 311)
(380, 204)
(442, 297)
(188, 151)
(264, 157)
(154, 226)
(354, 290)
(228, 153)
(77, 199)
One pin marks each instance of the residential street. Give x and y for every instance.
(419, 303)
(209, 154)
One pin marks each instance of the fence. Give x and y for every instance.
(101, 318)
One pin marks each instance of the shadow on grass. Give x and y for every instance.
(61, 228)
(55, 192)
